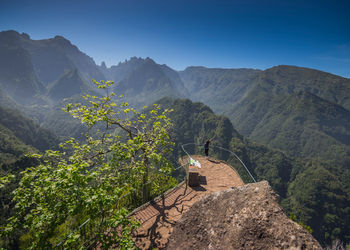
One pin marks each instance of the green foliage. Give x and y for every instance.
(23, 131)
(294, 218)
(319, 197)
(195, 123)
(11, 148)
(86, 180)
(121, 232)
(267, 164)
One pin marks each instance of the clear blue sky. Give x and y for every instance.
(230, 34)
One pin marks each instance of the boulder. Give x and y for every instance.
(246, 217)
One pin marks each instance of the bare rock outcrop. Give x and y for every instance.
(246, 217)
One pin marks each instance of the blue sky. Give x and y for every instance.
(229, 34)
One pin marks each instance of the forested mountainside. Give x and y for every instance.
(316, 192)
(20, 135)
(298, 121)
(301, 111)
(218, 88)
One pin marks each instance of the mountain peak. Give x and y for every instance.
(103, 65)
(9, 37)
(9, 33)
(25, 36)
(62, 41)
(148, 59)
(58, 37)
(292, 69)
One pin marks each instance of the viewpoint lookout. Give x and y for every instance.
(158, 217)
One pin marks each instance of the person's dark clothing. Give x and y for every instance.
(206, 148)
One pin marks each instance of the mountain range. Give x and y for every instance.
(297, 117)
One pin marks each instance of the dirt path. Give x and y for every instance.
(159, 217)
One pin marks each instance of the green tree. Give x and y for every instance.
(123, 151)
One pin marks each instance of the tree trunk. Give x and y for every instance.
(145, 186)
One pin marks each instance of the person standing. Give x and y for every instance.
(206, 148)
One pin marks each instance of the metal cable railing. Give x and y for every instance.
(221, 148)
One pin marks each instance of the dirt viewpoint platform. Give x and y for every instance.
(158, 218)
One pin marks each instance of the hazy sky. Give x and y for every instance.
(229, 34)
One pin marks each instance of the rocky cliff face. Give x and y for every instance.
(247, 217)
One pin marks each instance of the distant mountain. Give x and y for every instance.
(145, 81)
(63, 123)
(218, 88)
(123, 69)
(68, 85)
(53, 57)
(304, 116)
(17, 75)
(36, 75)
(31, 70)
(267, 106)
(176, 80)
(285, 79)
(299, 121)
(28, 67)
